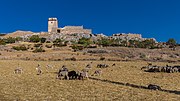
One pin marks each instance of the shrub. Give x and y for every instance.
(73, 59)
(48, 46)
(2, 42)
(10, 40)
(171, 41)
(77, 47)
(38, 50)
(43, 40)
(20, 48)
(58, 43)
(102, 58)
(48, 41)
(34, 38)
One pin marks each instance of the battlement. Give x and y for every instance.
(73, 27)
(52, 19)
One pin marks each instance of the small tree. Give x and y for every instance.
(171, 41)
(34, 38)
(43, 40)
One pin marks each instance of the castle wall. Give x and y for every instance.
(74, 30)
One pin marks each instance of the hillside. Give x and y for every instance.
(18, 34)
(91, 54)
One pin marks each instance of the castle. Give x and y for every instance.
(72, 33)
(53, 28)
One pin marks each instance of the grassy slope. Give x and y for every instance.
(29, 86)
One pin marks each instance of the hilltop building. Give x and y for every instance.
(53, 28)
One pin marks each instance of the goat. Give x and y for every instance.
(18, 71)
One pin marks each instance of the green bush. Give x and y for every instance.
(43, 40)
(171, 41)
(38, 50)
(35, 38)
(20, 48)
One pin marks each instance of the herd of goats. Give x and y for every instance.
(166, 69)
(65, 74)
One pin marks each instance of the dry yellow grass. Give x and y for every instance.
(45, 87)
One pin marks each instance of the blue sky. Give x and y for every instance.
(159, 19)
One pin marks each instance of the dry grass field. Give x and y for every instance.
(110, 86)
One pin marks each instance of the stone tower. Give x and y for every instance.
(52, 25)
